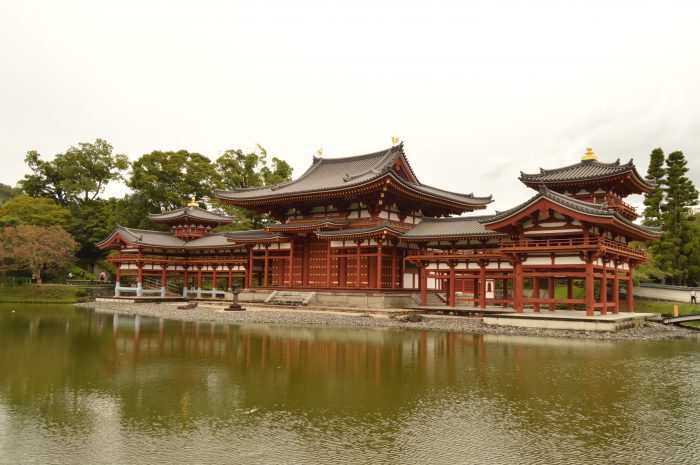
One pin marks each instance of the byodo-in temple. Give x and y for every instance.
(362, 226)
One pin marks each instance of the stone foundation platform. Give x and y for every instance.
(569, 320)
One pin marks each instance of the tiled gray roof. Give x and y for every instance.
(146, 237)
(460, 226)
(587, 208)
(253, 235)
(582, 171)
(192, 212)
(217, 240)
(333, 174)
(310, 224)
(359, 231)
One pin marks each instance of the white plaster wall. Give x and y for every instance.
(570, 260)
(538, 261)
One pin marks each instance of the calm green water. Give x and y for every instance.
(78, 387)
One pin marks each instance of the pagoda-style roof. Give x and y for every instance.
(333, 177)
(141, 237)
(588, 172)
(598, 213)
(190, 214)
(163, 240)
(450, 228)
(360, 233)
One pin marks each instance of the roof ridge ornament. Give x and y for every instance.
(319, 152)
(193, 202)
(394, 140)
(589, 155)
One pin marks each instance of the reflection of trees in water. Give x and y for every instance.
(165, 376)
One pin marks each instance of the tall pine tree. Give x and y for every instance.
(672, 250)
(653, 200)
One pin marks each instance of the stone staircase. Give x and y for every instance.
(289, 298)
(433, 299)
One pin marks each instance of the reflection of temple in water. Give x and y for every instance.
(185, 373)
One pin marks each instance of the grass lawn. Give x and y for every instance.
(46, 293)
(665, 308)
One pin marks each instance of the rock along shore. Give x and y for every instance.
(310, 317)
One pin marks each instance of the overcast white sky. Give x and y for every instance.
(477, 90)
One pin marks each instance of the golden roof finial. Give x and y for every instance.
(589, 155)
(394, 140)
(319, 153)
(193, 202)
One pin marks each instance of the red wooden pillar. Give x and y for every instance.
(118, 275)
(551, 294)
(266, 266)
(357, 265)
(604, 290)
(230, 279)
(305, 261)
(163, 279)
(379, 264)
(213, 278)
(482, 285)
(394, 283)
(199, 277)
(186, 278)
(630, 289)
(328, 265)
(251, 265)
(518, 286)
(291, 263)
(505, 292)
(536, 293)
(475, 291)
(451, 299)
(570, 292)
(423, 284)
(590, 288)
(616, 289)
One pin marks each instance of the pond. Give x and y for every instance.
(82, 387)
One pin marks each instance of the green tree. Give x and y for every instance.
(673, 252)
(7, 192)
(37, 211)
(80, 175)
(653, 200)
(36, 249)
(243, 170)
(166, 180)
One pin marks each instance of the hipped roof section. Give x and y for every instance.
(334, 175)
(578, 206)
(585, 171)
(164, 240)
(451, 228)
(190, 213)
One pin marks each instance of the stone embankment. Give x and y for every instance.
(310, 317)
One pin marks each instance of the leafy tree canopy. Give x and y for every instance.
(7, 192)
(80, 175)
(166, 180)
(36, 211)
(37, 249)
(240, 170)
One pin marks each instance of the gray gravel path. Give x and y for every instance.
(310, 317)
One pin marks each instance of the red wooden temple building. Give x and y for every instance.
(366, 224)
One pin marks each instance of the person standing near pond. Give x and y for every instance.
(693, 299)
(102, 277)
